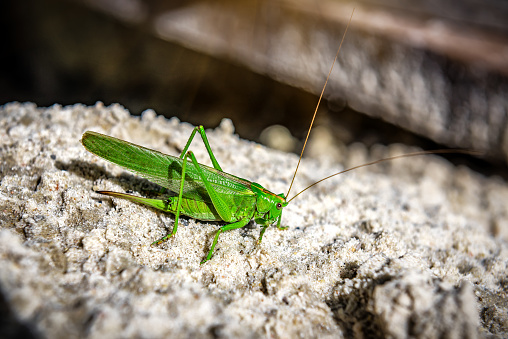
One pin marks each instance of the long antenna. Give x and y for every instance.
(319, 101)
(439, 151)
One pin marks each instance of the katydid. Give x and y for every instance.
(203, 192)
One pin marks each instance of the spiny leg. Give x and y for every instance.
(201, 131)
(235, 225)
(263, 229)
(220, 205)
(278, 224)
(178, 205)
(184, 155)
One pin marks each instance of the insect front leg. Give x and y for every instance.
(278, 224)
(264, 227)
(201, 131)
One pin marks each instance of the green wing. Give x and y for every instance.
(162, 169)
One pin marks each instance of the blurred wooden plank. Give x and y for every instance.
(438, 76)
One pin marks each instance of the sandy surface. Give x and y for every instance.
(415, 248)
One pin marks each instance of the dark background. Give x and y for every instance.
(68, 52)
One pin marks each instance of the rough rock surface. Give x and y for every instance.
(413, 248)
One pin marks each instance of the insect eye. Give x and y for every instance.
(279, 206)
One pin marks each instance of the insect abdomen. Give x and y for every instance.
(193, 208)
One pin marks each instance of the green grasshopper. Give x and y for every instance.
(205, 193)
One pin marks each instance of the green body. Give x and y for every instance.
(204, 193)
